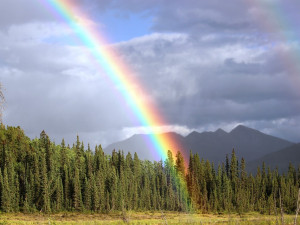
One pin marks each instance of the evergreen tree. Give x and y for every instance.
(6, 197)
(77, 198)
(45, 207)
(38, 175)
(180, 167)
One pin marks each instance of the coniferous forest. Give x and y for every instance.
(41, 176)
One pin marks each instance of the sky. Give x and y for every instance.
(205, 65)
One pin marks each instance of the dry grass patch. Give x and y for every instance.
(136, 218)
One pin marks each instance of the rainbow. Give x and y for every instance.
(274, 17)
(131, 89)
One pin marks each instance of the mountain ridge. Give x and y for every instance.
(279, 159)
(212, 145)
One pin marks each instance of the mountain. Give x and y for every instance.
(247, 142)
(280, 159)
(141, 144)
(209, 145)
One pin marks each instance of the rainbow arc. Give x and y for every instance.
(131, 89)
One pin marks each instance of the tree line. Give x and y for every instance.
(40, 176)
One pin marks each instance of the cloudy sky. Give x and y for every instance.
(205, 65)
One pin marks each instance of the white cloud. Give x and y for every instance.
(36, 32)
(129, 131)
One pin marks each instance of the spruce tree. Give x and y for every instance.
(45, 207)
(180, 167)
(6, 197)
(38, 175)
(77, 197)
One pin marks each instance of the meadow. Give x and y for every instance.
(149, 218)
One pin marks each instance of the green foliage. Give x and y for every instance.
(39, 176)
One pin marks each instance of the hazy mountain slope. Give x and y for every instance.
(141, 144)
(209, 145)
(252, 144)
(280, 159)
(248, 143)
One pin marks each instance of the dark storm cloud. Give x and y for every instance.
(208, 65)
(203, 16)
(194, 16)
(190, 16)
(197, 83)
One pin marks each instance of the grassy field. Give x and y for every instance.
(136, 218)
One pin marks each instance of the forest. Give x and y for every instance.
(39, 175)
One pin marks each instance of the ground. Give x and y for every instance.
(136, 218)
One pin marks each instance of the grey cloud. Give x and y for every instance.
(60, 89)
(14, 12)
(201, 17)
(191, 15)
(216, 68)
(63, 106)
(197, 83)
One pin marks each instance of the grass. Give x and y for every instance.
(136, 218)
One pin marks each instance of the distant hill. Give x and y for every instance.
(247, 142)
(141, 144)
(280, 159)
